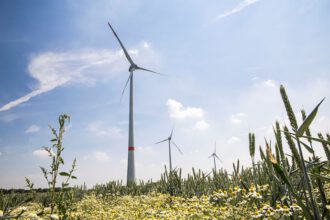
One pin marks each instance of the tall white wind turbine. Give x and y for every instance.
(169, 139)
(215, 156)
(131, 147)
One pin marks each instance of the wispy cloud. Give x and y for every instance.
(242, 5)
(9, 117)
(85, 66)
(32, 129)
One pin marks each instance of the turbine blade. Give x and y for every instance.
(141, 68)
(210, 156)
(177, 147)
(218, 158)
(122, 46)
(122, 93)
(172, 132)
(162, 141)
(215, 147)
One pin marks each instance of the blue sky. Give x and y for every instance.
(224, 63)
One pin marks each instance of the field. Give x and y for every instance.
(282, 185)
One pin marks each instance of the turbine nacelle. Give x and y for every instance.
(133, 67)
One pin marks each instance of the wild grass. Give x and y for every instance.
(281, 185)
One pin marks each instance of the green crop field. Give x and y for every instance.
(282, 185)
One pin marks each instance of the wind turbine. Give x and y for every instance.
(131, 148)
(169, 139)
(215, 156)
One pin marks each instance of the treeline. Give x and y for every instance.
(39, 190)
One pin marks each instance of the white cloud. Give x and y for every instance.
(242, 5)
(201, 125)
(85, 66)
(238, 118)
(101, 156)
(145, 44)
(177, 110)
(233, 140)
(41, 153)
(270, 83)
(32, 129)
(101, 130)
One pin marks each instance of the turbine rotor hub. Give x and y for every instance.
(132, 68)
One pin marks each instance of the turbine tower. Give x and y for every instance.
(215, 156)
(169, 139)
(131, 147)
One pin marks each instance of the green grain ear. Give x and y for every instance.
(288, 108)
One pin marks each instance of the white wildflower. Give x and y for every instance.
(54, 217)
(33, 216)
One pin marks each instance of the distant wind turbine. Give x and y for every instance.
(169, 139)
(215, 156)
(131, 148)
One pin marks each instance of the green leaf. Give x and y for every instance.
(308, 121)
(64, 174)
(53, 130)
(61, 160)
(310, 150)
(315, 175)
(278, 169)
(308, 137)
(73, 177)
(317, 139)
(53, 140)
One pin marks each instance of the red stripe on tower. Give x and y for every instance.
(131, 148)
